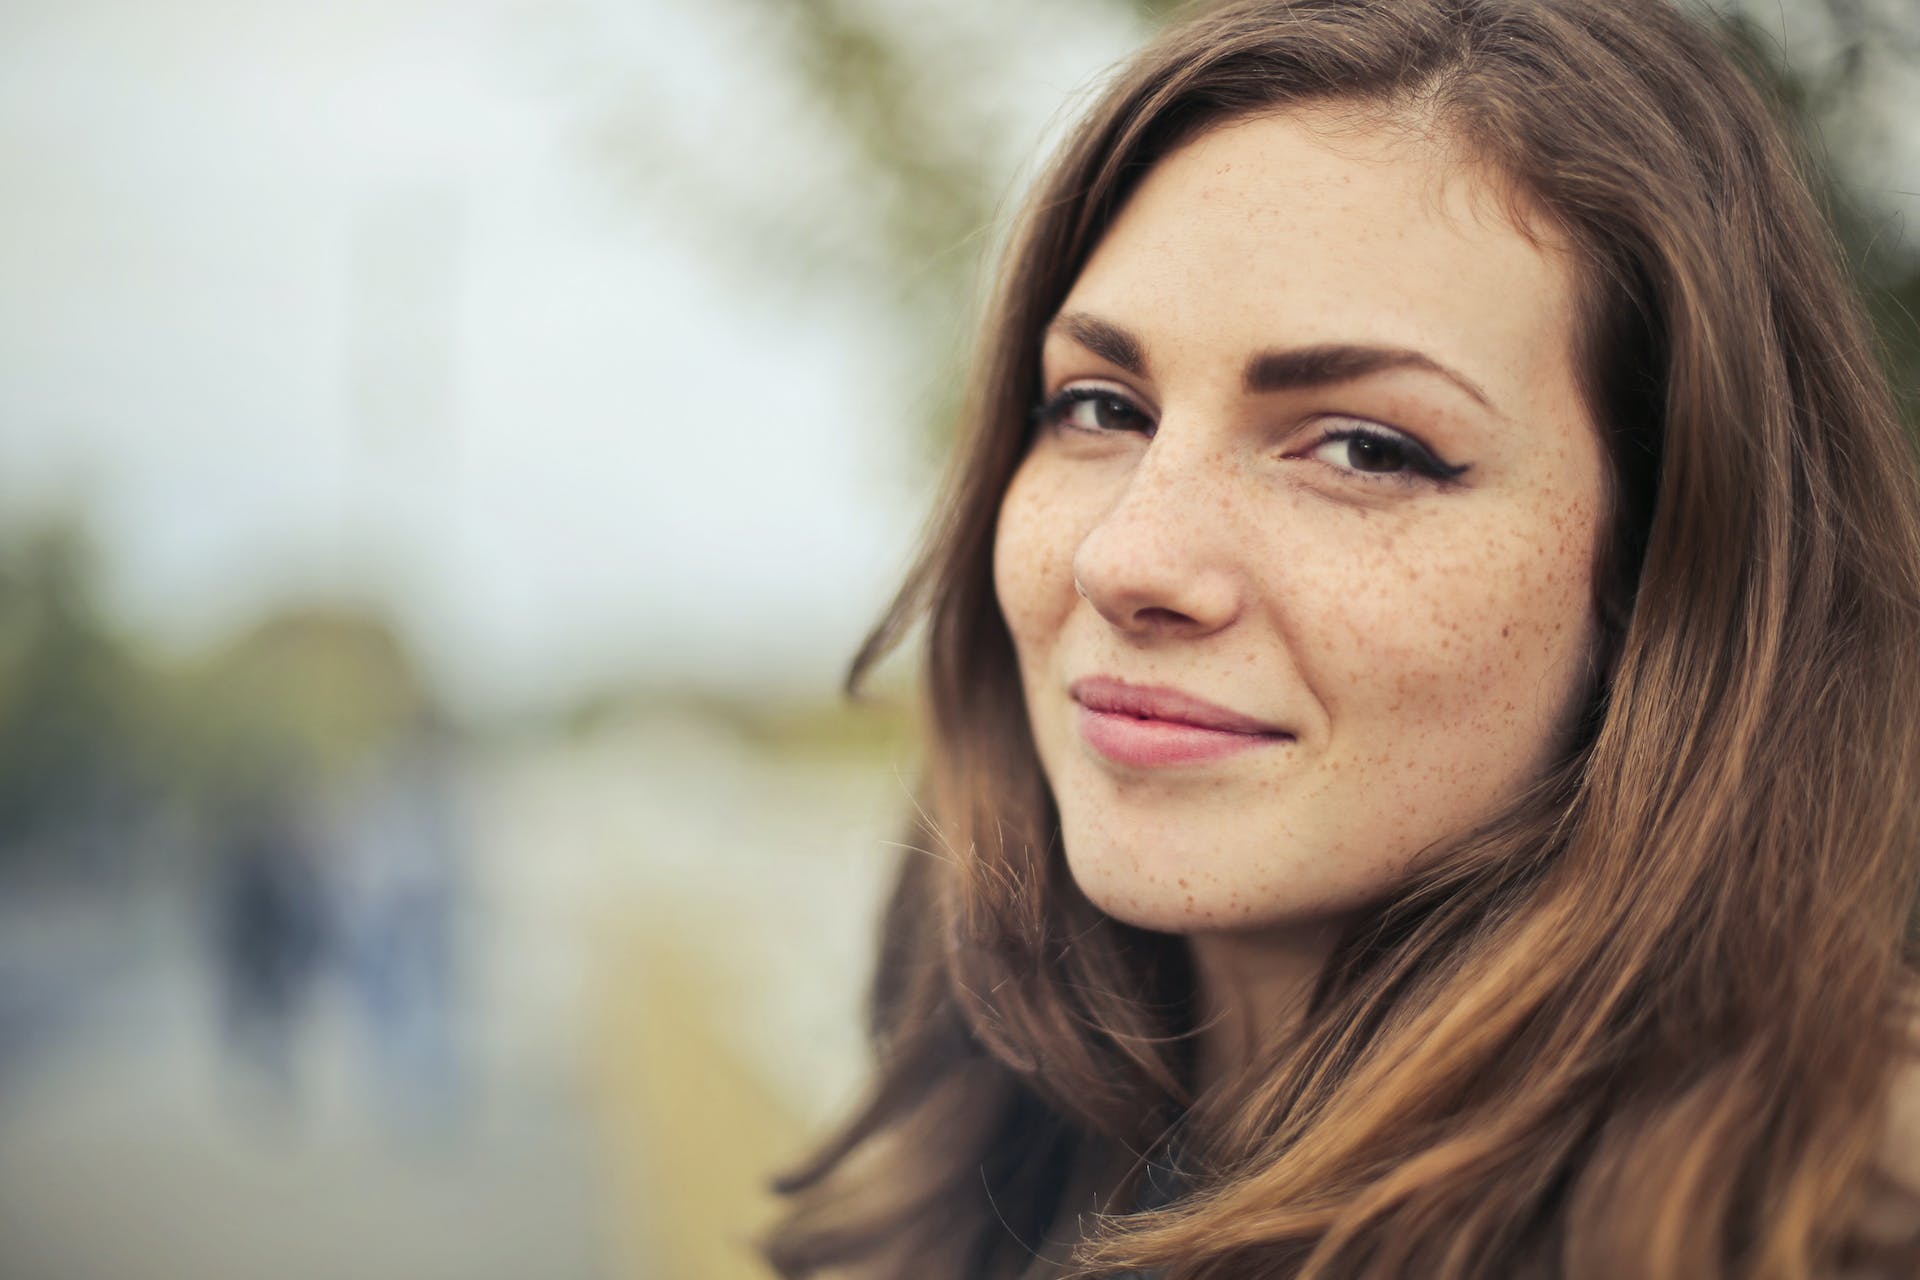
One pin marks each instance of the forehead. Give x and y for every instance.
(1336, 224)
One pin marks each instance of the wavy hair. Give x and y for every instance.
(1643, 1023)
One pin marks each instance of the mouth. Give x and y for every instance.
(1152, 726)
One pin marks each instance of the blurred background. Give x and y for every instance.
(448, 450)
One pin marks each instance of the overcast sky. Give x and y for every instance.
(306, 298)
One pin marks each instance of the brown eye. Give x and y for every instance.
(1376, 451)
(1366, 453)
(1098, 410)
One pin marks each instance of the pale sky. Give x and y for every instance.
(306, 297)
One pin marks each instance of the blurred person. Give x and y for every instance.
(394, 883)
(1421, 770)
(270, 933)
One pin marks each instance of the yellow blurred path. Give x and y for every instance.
(693, 1129)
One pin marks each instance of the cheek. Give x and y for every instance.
(1033, 551)
(1462, 648)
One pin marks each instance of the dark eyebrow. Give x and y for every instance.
(1105, 339)
(1269, 371)
(1344, 362)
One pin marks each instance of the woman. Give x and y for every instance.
(1421, 780)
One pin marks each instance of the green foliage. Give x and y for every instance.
(1825, 99)
(925, 157)
(70, 692)
(294, 702)
(875, 729)
(96, 737)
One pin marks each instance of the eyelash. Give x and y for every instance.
(1421, 463)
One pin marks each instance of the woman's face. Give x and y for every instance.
(1299, 565)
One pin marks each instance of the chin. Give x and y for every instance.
(1172, 889)
(1161, 890)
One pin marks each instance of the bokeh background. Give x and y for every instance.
(448, 450)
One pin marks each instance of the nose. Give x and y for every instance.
(1161, 560)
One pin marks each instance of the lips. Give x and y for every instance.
(1149, 727)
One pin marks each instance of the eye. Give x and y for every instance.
(1376, 451)
(1098, 410)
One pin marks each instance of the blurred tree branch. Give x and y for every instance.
(910, 97)
(1874, 42)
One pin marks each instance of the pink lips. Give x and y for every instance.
(1151, 726)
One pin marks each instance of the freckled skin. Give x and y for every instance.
(1425, 642)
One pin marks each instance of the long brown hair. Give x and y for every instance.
(1642, 1024)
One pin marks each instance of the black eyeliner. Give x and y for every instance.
(1422, 460)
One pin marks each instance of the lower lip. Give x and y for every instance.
(1130, 740)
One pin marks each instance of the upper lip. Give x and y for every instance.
(1157, 702)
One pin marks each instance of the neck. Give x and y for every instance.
(1253, 991)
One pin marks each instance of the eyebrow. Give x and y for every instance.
(1105, 339)
(1268, 371)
